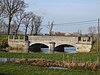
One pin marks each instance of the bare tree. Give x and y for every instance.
(37, 24)
(92, 31)
(1, 7)
(11, 7)
(26, 21)
(18, 20)
(3, 27)
(13, 28)
(32, 24)
(1, 10)
(50, 27)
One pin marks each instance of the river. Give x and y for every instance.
(66, 50)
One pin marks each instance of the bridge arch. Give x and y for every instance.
(65, 48)
(37, 47)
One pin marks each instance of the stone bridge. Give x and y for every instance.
(82, 44)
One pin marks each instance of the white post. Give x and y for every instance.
(26, 47)
(51, 47)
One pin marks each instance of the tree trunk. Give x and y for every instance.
(9, 24)
(17, 29)
(26, 30)
(32, 30)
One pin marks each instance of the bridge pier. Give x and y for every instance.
(26, 45)
(83, 47)
(51, 47)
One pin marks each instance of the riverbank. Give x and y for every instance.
(28, 68)
(3, 41)
(93, 66)
(79, 57)
(58, 64)
(17, 69)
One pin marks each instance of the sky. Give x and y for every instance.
(66, 11)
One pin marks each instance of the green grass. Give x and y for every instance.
(3, 41)
(80, 57)
(16, 69)
(94, 47)
(3, 36)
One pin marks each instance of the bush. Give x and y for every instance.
(4, 43)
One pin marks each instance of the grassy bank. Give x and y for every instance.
(80, 57)
(16, 69)
(3, 36)
(95, 47)
(3, 41)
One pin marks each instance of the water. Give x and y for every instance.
(66, 50)
(3, 59)
(44, 50)
(69, 49)
(12, 59)
(57, 68)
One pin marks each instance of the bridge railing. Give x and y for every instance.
(12, 38)
(53, 38)
(85, 40)
(82, 40)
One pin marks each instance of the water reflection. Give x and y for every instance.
(11, 59)
(44, 50)
(69, 49)
(3, 59)
(66, 50)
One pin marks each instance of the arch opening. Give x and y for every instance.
(65, 48)
(38, 47)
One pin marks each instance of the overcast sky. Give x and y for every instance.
(66, 11)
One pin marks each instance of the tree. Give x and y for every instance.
(1, 9)
(32, 24)
(18, 20)
(92, 31)
(11, 7)
(26, 21)
(3, 27)
(37, 24)
(13, 28)
(50, 27)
